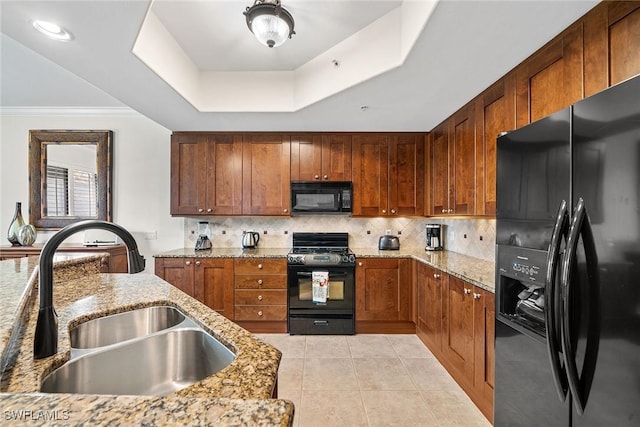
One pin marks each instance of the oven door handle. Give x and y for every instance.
(331, 274)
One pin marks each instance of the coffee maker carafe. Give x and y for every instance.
(434, 237)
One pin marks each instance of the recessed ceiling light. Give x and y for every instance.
(52, 30)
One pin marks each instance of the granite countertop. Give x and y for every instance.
(237, 395)
(476, 271)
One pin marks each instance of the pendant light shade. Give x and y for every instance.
(269, 22)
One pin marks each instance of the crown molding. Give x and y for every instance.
(69, 111)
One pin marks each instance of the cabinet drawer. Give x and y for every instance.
(261, 265)
(261, 297)
(260, 281)
(261, 312)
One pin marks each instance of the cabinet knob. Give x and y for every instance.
(467, 291)
(360, 264)
(198, 263)
(476, 296)
(260, 313)
(326, 177)
(393, 211)
(259, 297)
(444, 210)
(436, 276)
(285, 210)
(209, 210)
(450, 210)
(384, 211)
(187, 262)
(259, 281)
(200, 210)
(260, 266)
(316, 177)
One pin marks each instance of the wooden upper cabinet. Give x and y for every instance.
(612, 43)
(388, 174)
(464, 162)
(321, 157)
(495, 113)
(552, 79)
(266, 174)
(406, 175)
(370, 174)
(453, 165)
(206, 174)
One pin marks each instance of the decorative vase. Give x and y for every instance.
(16, 223)
(27, 235)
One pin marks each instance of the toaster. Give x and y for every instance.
(389, 243)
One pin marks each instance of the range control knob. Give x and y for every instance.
(352, 258)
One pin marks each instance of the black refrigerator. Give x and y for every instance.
(568, 266)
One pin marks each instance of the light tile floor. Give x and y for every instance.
(368, 380)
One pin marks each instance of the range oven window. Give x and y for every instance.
(340, 293)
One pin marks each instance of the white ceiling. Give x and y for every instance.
(464, 47)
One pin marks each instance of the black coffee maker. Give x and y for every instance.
(434, 237)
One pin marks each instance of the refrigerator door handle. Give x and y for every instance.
(552, 303)
(580, 385)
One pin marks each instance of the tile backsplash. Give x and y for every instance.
(473, 237)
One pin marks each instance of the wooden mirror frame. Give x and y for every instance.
(38, 139)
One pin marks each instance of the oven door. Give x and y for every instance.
(340, 296)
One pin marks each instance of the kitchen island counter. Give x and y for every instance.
(237, 395)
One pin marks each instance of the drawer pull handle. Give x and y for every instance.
(260, 266)
(260, 313)
(476, 296)
(259, 297)
(467, 291)
(320, 323)
(197, 262)
(259, 281)
(436, 276)
(326, 177)
(188, 263)
(200, 210)
(317, 176)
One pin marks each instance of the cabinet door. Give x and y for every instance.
(551, 79)
(178, 272)
(406, 175)
(188, 174)
(440, 170)
(495, 114)
(484, 318)
(462, 141)
(383, 289)
(306, 157)
(457, 343)
(266, 175)
(370, 175)
(214, 284)
(223, 174)
(430, 306)
(336, 158)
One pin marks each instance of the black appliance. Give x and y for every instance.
(325, 254)
(389, 243)
(567, 266)
(321, 198)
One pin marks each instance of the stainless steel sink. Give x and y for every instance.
(155, 365)
(124, 326)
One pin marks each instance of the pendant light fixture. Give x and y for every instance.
(269, 22)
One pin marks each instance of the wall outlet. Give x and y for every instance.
(151, 235)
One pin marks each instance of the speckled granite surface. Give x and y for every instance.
(474, 270)
(237, 395)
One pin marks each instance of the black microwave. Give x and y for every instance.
(321, 198)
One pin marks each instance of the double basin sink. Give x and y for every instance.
(149, 351)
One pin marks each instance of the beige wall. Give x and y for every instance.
(140, 177)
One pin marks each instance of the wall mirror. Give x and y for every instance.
(69, 177)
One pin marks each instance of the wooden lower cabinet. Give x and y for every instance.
(261, 294)
(209, 280)
(455, 320)
(384, 291)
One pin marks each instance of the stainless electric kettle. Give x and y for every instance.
(250, 239)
